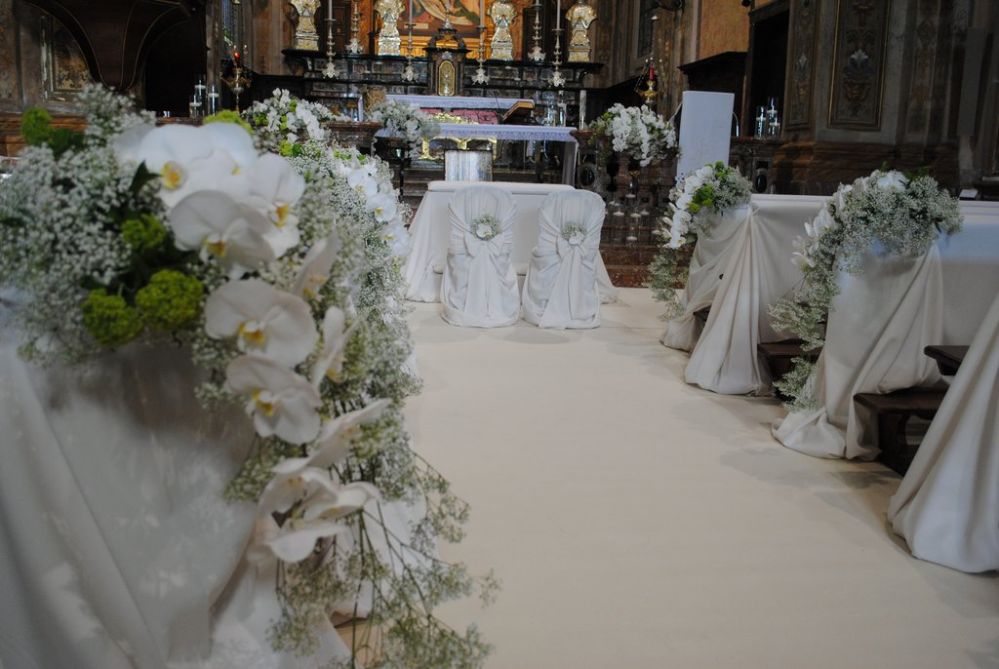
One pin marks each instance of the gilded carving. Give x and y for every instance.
(64, 68)
(858, 64)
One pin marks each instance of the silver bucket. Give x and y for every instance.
(467, 165)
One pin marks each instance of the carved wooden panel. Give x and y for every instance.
(8, 53)
(801, 65)
(64, 69)
(858, 64)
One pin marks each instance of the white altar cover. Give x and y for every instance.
(561, 286)
(431, 229)
(118, 550)
(480, 287)
(947, 507)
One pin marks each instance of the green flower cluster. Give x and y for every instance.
(110, 319)
(144, 233)
(37, 130)
(229, 116)
(170, 301)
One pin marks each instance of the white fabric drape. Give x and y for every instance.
(877, 329)
(712, 252)
(116, 547)
(758, 272)
(480, 286)
(561, 286)
(947, 507)
(430, 233)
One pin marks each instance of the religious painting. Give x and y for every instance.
(65, 70)
(429, 15)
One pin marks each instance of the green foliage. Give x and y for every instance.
(109, 319)
(229, 116)
(37, 130)
(170, 301)
(144, 233)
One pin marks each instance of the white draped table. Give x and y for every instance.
(431, 229)
(758, 271)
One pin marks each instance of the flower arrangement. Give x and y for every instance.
(282, 278)
(574, 233)
(280, 120)
(712, 189)
(486, 227)
(896, 214)
(405, 121)
(643, 133)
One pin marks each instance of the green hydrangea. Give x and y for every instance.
(230, 116)
(290, 149)
(109, 319)
(171, 300)
(36, 126)
(144, 233)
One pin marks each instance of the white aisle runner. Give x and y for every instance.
(639, 522)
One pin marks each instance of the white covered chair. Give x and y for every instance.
(479, 287)
(561, 286)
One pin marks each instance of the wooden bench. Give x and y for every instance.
(891, 413)
(778, 357)
(949, 358)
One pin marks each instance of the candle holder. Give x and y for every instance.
(537, 54)
(239, 80)
(330, 71)
(409, 74)
(558, 79)
(354, 47)
(480, 76)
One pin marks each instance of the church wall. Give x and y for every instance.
(723, 26)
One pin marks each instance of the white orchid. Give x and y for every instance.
(397, 237)
(363, 181)
(320, 519)
(275, 189)
(263, 320)
(335, 338)
(334, 441)
(384, 206)
(281, 402)
(213, 224)
(316, 266)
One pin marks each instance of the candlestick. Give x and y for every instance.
(537, 54)
(558, 14)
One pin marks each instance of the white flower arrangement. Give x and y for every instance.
(574, 233)
(896, 214)
(283, 279)
(486, 227)
(712, 189)
(639, 131)
(282, 120)
(407, 122)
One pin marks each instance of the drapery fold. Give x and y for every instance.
(561, 286)
(480, 286)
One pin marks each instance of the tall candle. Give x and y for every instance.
(558, 14)
(482, 13)
(411, 12)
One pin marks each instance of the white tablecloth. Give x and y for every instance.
(759, 272)
(430, 231)
(116, 548)
(947, 507)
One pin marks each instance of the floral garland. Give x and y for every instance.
(403, 120)
(716, 189)
(899, 215)
(281, 120)
(574, 233)
(283, 280)
(643, 133)
(486, 227)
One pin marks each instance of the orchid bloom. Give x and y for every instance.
(362, 180)
(281, 402)
(334, 440)
(384, 206)
(275, 189)
(263, 320)
(335, 338)
(316, 266)
(213, 224)
(397, 237)
(320, 519)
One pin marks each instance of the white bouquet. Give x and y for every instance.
(643, 133)
(407, 122)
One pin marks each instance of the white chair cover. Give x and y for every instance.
(480, 286)
(715, 247)
(947, 507)
(561, 286)
(878, 326)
